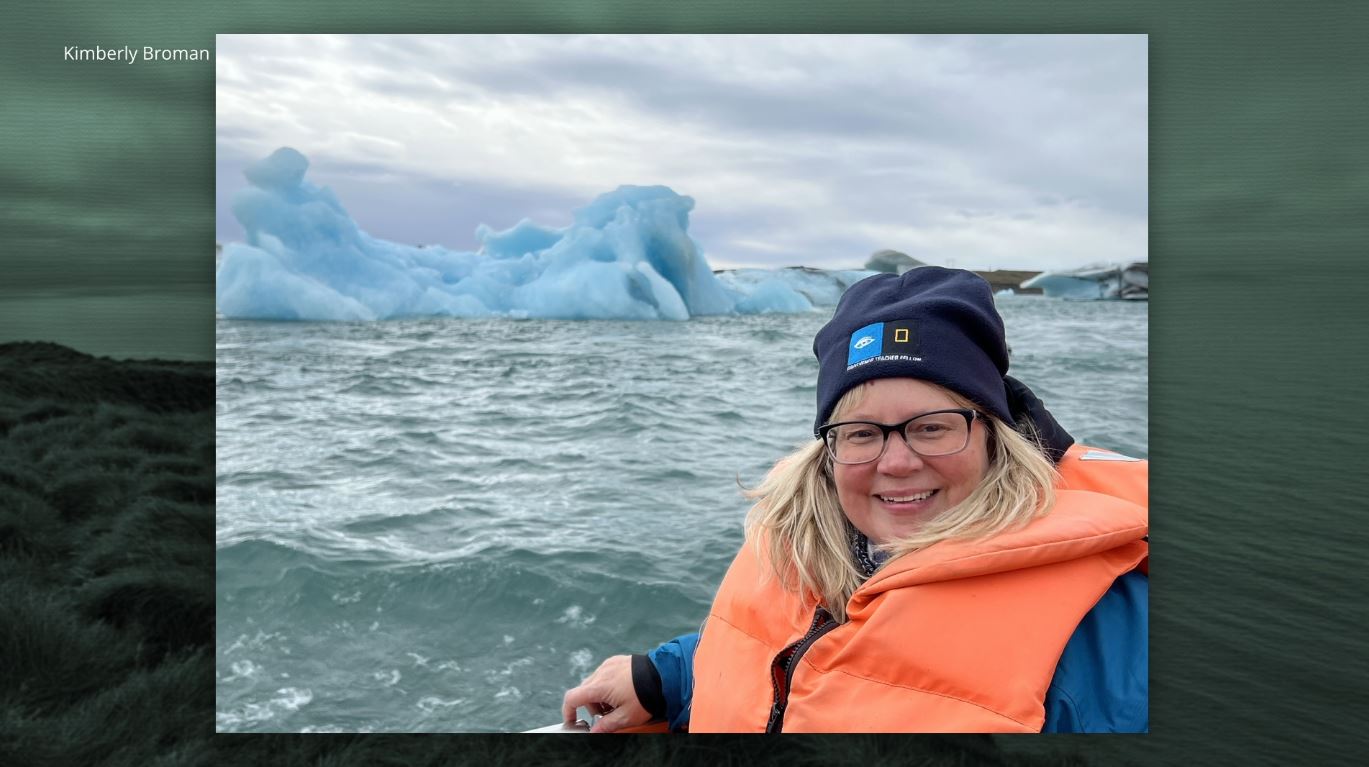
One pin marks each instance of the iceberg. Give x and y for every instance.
(1100, 281)
(627, 255)
(790, 290)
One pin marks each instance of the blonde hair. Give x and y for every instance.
(798, 523)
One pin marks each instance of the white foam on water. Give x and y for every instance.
(576, 617)
(419, 660)
(256, 642)
(431, 703)
(288, 699)
(242, 669)
(509, 692)
(580, 661)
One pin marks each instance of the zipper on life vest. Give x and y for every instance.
(782, 668)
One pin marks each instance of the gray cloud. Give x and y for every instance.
(818, 149)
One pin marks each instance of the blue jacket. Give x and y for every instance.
(1101, 683)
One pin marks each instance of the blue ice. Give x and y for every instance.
(627, 255)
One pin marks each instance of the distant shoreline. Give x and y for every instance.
(998, 279)
(1009, 278)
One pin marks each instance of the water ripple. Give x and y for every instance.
(510, 513)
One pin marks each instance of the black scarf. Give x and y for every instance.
(860, 550)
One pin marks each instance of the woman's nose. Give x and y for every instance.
(898, 458)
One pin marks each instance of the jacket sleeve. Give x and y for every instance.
(673, 663)
(1101, 683)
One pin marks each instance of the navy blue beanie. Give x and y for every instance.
(938, 325)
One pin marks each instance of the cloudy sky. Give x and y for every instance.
(991, 152)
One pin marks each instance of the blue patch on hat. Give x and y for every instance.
(865, 343)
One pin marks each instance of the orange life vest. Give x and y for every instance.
(963, 636)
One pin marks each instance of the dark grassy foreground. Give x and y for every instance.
(106, 559)
(107, 599)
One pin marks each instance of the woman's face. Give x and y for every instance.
(888, 498)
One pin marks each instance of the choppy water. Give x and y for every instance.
(440, 525)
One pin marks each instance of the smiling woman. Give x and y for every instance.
(784, 151)
(940, 559)
(893, 491)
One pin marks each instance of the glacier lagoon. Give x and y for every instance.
(441, 522)
(626, 255)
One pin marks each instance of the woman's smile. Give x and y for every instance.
(906, 501)
(893, 496)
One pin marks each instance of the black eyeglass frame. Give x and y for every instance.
(969, 414)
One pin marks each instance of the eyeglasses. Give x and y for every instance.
(940, 432)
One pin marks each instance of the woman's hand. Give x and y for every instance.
(608, 692)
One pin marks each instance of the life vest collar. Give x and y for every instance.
(1075, 528)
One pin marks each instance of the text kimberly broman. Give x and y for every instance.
(129, 54)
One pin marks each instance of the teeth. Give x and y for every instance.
(909, 499)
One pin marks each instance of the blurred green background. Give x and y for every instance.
(1259, 223)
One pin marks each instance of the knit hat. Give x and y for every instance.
(938, 325)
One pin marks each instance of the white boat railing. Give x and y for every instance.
(583, 722)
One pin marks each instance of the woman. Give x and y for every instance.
(932, 562)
